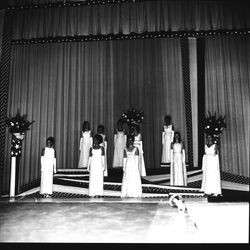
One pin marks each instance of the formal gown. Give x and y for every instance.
(120, 140)
(167, 138)
(178, 174)
(211, 181)
(47, 168)
(131, 181)
(85, 144)
(96, 169)
(138, 144)
(105, 144)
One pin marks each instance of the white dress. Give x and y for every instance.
(211, 182)
(131, 181)
(47, 167)
(120, 140)
(96, 169)
(138, 144)
(85, 144)
(105, 144)
(178, 172)
(167, 138)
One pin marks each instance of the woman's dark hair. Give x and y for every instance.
(98, 138)
(130, 136)
(167, 118)
(85, 126)
(100, 128)
(119, 124)
(177, 133)
(137, 128)
(51, 139)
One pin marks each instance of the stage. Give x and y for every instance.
(70, 215)
(116, 220)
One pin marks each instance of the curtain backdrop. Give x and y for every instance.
(61, 85)
(228, 93)
(138, 17)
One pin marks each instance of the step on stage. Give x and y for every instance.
(74, 183)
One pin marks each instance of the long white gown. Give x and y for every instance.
(211, 181)
(47, 168)
(138, 144)
(85, 144)
(105, 144)
(96, 169)
(178, 172)
(120, 140)
(167, 138)
(131, 181)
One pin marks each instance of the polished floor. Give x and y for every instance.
(98, 220)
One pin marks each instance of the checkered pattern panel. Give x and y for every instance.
(63, 195)
(187, 96)
(225, 176)
(4, 86)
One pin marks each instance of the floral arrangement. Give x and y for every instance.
(18, 123)
(132, 117)
(214, 126)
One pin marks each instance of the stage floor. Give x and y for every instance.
(116, 220)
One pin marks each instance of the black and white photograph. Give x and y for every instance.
(124, 122)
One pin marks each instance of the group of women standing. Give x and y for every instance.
(128, 155)
(173, 152)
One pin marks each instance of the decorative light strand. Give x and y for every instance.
(69, 4)
(146, 35)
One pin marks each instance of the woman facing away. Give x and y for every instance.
(96, 167)
(48, 167)
(85, 144)
(167, 139)
(138, 144)
(120, 139)
(131, 181)
(211, 181)
(101, 131)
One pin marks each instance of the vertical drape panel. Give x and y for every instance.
(150, 75)
(61, 85)
(194, 96)
(228, 93)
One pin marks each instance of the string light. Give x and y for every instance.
(129, 36)
(67, 4)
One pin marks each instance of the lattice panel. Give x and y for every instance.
(4, 86)
(187, 96)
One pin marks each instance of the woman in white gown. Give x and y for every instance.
(211, 181)
(85, 144)
(167, 139)
(120, 139)
(100, 131)
(138, 144)
(96, 167)
(131, 181)
(48, 167)
(178, 172)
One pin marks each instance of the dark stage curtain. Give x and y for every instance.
(138, 17)
(59, 85)
(227, 62)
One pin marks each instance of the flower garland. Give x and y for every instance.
(132, 117)
(214, 126)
